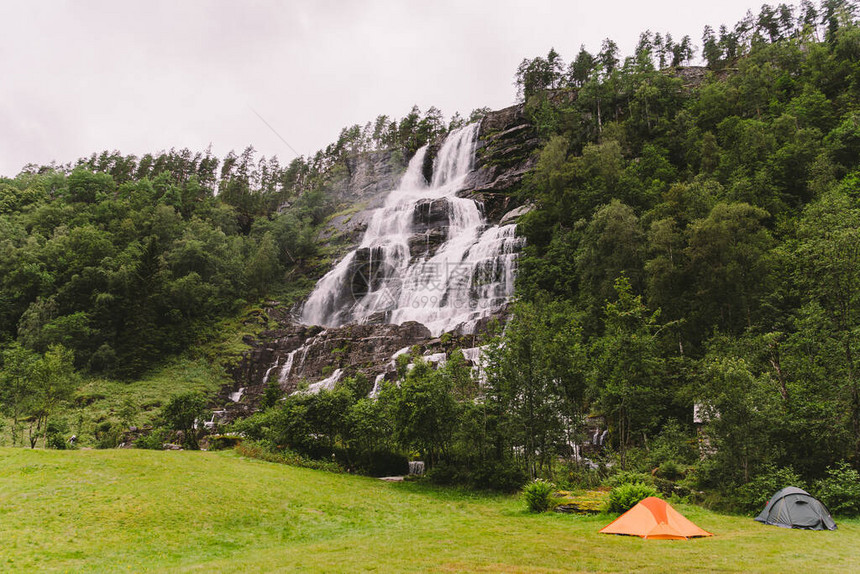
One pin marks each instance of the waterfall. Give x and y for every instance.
(327, 384)
(288, 367)
(377, 386)
(268, 371)
(426, 256)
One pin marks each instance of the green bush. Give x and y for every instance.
(840, 490)
(223, 442)
(629, 477)
(264, 450)
(498, 476)
(575, 476)
(671, 470)
(444, 474)
(57, 431)
(383, 463)
(109, 435)
(752, 496)
(56, 441)
(623, 498)
(153, 441)
(181, 413)
(538, 495)
(674, 444)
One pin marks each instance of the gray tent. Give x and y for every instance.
(795, 508)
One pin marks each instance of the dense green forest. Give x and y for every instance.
(704, 238)
(694, 240)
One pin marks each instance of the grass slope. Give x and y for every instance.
(134, 510)
(99, 402)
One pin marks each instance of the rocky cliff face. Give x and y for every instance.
(507, 142)
(371, 176)
(506, 152)
(291, 353)
(295, 355)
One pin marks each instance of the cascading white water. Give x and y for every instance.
(427, 255)
(327, 384)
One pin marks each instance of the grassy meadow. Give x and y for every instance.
(134, 511)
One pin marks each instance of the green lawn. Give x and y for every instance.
(134, 511)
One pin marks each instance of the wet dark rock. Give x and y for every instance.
(431, 213)
(429, 157)
(426, 244)
(354, 348)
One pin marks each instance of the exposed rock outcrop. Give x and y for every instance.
(513, 215)
(507, 142)
(363, 187)
(317, 352)
(293, 354)
(506, 152)
(431, 221)
(371, 176)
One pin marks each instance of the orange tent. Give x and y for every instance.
(654, 518)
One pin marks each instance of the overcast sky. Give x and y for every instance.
(81, 76)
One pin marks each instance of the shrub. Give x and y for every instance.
(674, 443)
(271, 394)
(108, 434)
(57, 431)
(840, 490)
(752, 496)
(223, 442)
(498, 476)
(383, 463)
(629, 477)
(623, 498)
(181, 414)
(538, 495)
(444, 474)
(265, 451)
(153, 441)
(56, 441)
(671, 470)
(575, 476)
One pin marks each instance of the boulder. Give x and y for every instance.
(513, 215)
